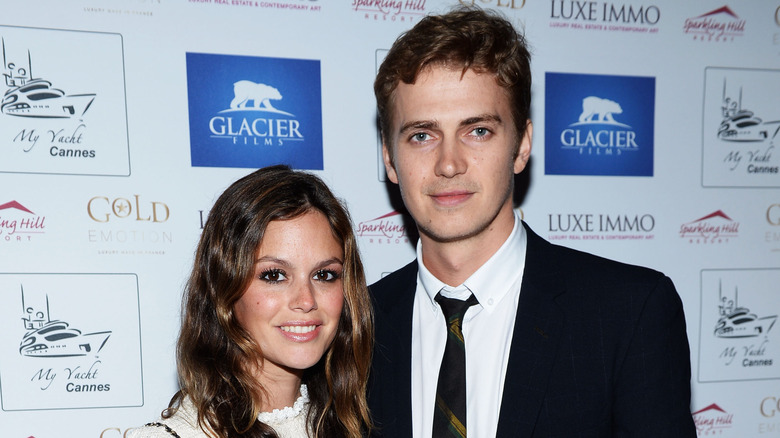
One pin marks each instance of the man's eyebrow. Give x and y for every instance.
(418, 124)
(432, 124)
(495, 118)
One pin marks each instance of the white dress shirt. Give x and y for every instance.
(487, 331)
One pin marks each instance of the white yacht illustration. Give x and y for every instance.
(47, 338)
(741, 125)
(738, 322)
(28, 96)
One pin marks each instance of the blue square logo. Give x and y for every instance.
(253, 112)
(599, 125)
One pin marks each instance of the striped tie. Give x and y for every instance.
(449, 419)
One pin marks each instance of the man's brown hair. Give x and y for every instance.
(465, 38)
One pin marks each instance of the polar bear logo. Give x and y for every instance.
(600, 109)
(260, 95)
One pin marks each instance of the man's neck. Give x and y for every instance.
(453, 262)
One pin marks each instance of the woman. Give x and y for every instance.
(277, 329)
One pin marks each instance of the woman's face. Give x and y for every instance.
(293, 303)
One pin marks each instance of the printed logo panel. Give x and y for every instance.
(714, 228)
(403, 11)
(718, 26)
(20, 224)
(741, 128)
(712, 420)
(739, 333)
(386, 229)
(604, 17)
(63, 109)
(70, 341)
(633, 227)
(253, 112)
(128, 225)
(599, 125)
(286, 5)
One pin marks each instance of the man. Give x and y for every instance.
(558, 342)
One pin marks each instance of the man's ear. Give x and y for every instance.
(389, 166)
(524, 151)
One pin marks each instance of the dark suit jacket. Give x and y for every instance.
(599, 350)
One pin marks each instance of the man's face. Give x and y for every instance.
(455, 153)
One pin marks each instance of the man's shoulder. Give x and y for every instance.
(398, 278)
(395, 285)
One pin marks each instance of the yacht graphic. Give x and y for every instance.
(47, 338)
(28, 96)
(741, 125)
(738, 322)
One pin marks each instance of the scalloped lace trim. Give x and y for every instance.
(278, 415)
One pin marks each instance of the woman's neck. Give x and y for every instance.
(280, 391)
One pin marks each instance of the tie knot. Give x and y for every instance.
(454, 308)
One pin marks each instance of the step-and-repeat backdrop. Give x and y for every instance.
(657, 125)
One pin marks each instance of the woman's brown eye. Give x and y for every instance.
(272, 275)
(326, 275)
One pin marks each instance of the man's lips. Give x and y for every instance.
(451, 198)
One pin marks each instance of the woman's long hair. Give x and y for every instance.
(215, 355)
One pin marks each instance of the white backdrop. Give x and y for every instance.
(112, 156)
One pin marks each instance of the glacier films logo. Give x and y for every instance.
(404, 11)
(599, 125)
(386, 229)
(718, 25)
(253, 112)
(713, 228)
(604, 17)
(18, 223)
(600, 226)
(712, 420)
(36, 98)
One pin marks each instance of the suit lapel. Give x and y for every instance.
(534, 341)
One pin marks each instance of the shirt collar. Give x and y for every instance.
(492, 281)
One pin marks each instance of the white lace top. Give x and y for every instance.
(289, 422)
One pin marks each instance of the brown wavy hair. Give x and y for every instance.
(467, 38)
(215, 354)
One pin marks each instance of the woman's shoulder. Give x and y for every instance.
(156, 429)
(182, 424)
